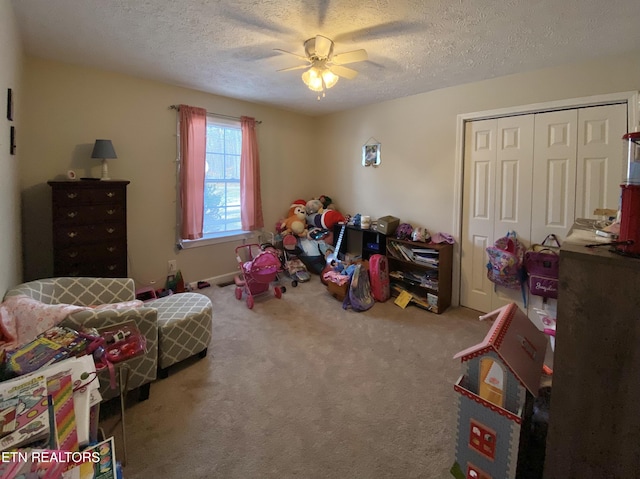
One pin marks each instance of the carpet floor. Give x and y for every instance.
(300, 388)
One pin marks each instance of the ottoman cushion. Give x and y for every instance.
(184, 326)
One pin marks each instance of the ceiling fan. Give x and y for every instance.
(323, 68)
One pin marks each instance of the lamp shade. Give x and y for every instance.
(103, 149)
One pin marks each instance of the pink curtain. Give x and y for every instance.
(250, 197)
(193, 146)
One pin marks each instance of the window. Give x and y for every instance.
(222, 178)
(482, 439)
(219, 178)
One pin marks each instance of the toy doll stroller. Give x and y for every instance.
(257, 270)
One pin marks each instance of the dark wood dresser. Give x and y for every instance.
(89, 228)
(594, 422)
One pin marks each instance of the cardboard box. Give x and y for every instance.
(387, 225)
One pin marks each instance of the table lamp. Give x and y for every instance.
(104, 149)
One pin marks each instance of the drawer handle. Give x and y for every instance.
(72, 234)
(72, 214)
(111, 194)
(72, 195)
(112, 267)
(72, 254)
(110, 230)
(111, 212)
(111, 249)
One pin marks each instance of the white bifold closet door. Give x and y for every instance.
(534, 174)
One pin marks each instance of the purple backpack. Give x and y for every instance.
(359, 292)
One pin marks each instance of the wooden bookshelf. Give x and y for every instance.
(425, 275)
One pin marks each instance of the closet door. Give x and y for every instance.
(600, 164)
(498, 173)
(573, 167)
(554, 174)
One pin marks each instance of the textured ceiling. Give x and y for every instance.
(227, 47)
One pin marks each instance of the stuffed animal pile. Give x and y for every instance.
(305, 217)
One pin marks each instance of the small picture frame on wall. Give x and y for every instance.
(12, 140)
(9, 104)
(371, 154)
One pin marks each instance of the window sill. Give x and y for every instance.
(211, 240)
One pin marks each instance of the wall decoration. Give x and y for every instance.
(12, 141)
(9, 104)
(371, 153)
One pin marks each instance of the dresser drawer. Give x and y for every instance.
(71, 235)
(107, 251)
(79, 196)
(106, 269)
(83, 214)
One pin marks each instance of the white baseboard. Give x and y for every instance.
(220, 279)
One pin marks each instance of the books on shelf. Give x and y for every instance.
(426, 256)
(428, 279)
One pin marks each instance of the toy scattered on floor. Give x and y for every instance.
(293, 265)
(258, 269)
(501, 376)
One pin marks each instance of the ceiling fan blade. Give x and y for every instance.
(349, 57)
(344, 72)
(304, 59)
(323, 46)
(299, 67)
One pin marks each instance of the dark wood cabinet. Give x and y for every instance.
(89, 228)
(594, 422)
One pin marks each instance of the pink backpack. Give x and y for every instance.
(379, 277)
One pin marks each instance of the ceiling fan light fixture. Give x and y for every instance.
(329, 78)
(313, 79)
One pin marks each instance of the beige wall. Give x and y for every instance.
(67, 107)
(10, 77)
(418, 136)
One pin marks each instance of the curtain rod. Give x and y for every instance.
(177, 107)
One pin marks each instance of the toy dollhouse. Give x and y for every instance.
(501, 375)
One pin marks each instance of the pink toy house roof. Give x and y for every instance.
(517, 341)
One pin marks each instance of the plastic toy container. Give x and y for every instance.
(630, 196)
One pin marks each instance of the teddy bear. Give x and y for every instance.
(296, 222)
(314, 206)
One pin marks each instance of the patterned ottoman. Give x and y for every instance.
(184, 328)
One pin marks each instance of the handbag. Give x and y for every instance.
(542, 263)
